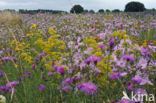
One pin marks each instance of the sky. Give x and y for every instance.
(66, 5)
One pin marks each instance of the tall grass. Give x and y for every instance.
(9, 17)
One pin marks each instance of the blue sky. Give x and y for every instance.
(67, 4)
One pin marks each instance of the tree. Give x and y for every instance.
(85, 11)
(101, 11)
(107, 10)
(116, 10)
(91, 11)
(77, 9)
(134, 7)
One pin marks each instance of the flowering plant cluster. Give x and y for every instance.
(78, 58)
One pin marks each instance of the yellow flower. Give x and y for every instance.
(19, 47)
(34, 26)
(13, 42)
(52, 31)
(29, 34)
(144, 43)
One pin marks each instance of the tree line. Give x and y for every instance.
(129, 7)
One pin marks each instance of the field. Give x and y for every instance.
(85, 58)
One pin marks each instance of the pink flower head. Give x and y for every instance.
(60, 70)
(88, 87)
(41, 87)
(128, 58)
(66, 88)
(101, 45)
(114, 76)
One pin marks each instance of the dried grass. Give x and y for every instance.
(9, 17)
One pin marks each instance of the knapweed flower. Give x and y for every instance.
(88, 87)
(14, 59)
(50, 73)
(101, 45)
(12, 90)
(130, 87)
(60, 70)
(33, 66)
(141, 81)
(9, 50)
(1, 72)
(41, 87)
(3, 89)
(144, 51)
(111, 43)
(87, 61)
(114, 75)
(12, 84)
(128, 58)
(41, 55)
(5, 59)
(126, 101)
(67, 81)
(92, 59)
(36, 60)
(66, 88)
(1, 52)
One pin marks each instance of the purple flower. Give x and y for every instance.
(14, 59)
(5, 59)
(141, 81)
(41, 54)
(114, 76)
(129, 87)
(41, 87)
(28, 73)
(95, 60)
(9, 50)
(92, 59)
(140, 91)
(123, 74)
(67, 81)
(66, 88)
(1, 52)
(36, 60)
(60, 70)
(3, 89)
(87, 61)
(50, 73)
(145, 51)
(101, 45)
(128, 58)
(111, 43)
(33, 66)
(137, 79)
(126, 101)
(1, 72)
(88, 87)
(12, 90)
(12, 84)
(78, 77)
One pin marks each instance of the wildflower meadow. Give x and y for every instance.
(84, 58)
